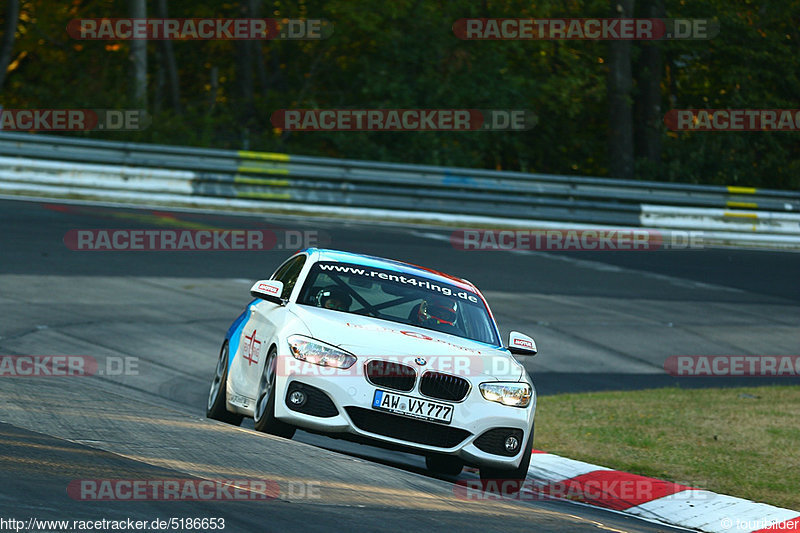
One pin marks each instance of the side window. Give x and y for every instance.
(288, 274)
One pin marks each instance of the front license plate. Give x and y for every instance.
(414, 407)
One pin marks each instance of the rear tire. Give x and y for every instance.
(216, 407)
(516, 474)
(447, 465)
(264, 415)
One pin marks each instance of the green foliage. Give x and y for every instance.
(403, 54)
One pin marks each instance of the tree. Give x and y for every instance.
(9, 30)
(168, 62)
(244, 67)
(649, 75)
(261, 70)
(138, 9)
(403, 54)
(620, 109)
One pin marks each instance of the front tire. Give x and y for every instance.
(264, 415)
(517, 474)
(216, 407)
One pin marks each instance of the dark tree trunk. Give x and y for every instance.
(650, 74)
(158, 95)
(258, 51)
(168, 62)
(620, 105)
(7, 44)
(244, 68)
(138, 9)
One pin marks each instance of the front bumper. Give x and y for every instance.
(352, 398)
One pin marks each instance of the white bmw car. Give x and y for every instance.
(384, 353)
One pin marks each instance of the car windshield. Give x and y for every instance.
(399, 297)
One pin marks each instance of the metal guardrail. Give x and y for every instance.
(95, 167)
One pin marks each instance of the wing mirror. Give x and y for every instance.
(520, 344)
(269, 290)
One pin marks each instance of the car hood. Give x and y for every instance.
(368, 338)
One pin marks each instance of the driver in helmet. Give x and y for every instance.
(334, 298)
(439, 313)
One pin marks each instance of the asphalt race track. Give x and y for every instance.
(602, 320)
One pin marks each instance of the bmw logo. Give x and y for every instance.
(420, 361)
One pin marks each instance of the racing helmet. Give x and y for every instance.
(333, 298)
(437, 311)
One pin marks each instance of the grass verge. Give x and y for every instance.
(742, 442)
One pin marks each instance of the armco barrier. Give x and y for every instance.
(57, 165)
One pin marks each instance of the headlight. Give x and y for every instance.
(513, 394)
(319, 353)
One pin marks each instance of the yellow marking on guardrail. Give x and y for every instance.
(743, 205)
(264, 170)
(733, 189)
(268, 156)
(263, 195)
(740, 215)
(260, 181)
